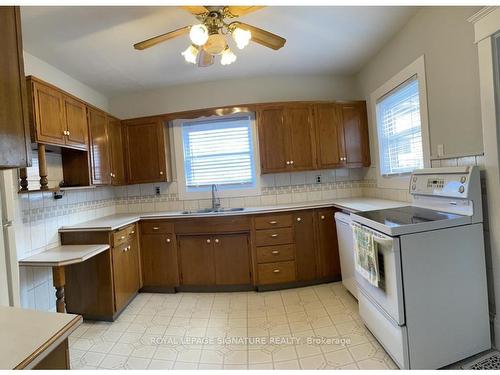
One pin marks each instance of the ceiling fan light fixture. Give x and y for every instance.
(191, 54)
(241, 37)
(227, 57)
(216, 44)
(198, 34)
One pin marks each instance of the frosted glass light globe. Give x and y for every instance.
(227, 57)
(241, 37)
(198, 34)
(190, 54)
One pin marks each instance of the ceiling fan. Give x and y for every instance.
(208, 38)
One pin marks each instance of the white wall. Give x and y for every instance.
(40, 69)
(235, 91)
(446, 39)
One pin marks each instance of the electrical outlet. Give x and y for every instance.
(157, 190)
(318, 179)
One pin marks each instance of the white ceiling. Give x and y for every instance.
(94, 44)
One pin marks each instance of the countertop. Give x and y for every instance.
(28, 336)
(112, 222)
(63, 255)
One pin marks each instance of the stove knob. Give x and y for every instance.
(461, 189)
(413, 187)
(462, 179)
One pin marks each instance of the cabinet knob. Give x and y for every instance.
(67, 132)
(208, 241)
(64, 132)
(288, 162)
(216, 240)
(274, 235)
(168, 240)
(132, 232)
(161, 173)
(276, 271)
(275, 252)
(299, 219)
(322, 217)
(273, 222)
(291, 162)
(122, 237)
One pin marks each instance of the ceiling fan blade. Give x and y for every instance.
(196, 10)
(263, 37)
(238, 11)
(161, 38)
(205, 59)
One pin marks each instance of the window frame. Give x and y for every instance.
(205, 193)
(416, 68)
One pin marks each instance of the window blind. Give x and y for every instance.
(218, 152)
(399, 129)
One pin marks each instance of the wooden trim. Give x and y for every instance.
(53, 342)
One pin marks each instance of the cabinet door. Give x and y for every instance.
(133, 266)
(159, 260)
(48, 114)
(232, 260)
(14, 122)
(357, 149)
(305, 249)
(99, 148)
(329, 135)
(301, 140)
(145, 152)
(272, 140)
(116, 151)
(196, 260)
(328, 261)
(75, 115)
(120, 268)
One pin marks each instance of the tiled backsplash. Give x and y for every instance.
(39, 216)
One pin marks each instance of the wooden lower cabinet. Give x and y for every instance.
(328, 261)
(159, 260)
(305, 249)
(57, 359)
(196, 256)
(232, 259)
(125, 273)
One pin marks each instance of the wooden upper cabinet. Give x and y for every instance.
(75, 117)
(355, 126)
(301, 140)
(14, 122)
(146, 155)
(116, 151)
(99, 147)
(329, 135)
(48, 123)
(272, 140)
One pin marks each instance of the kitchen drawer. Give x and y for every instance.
(273, 221)
(123, 235)
(278, 236)
(152, 227)
(266, 254)
(275, 273)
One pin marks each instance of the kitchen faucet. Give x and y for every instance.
(215, 198)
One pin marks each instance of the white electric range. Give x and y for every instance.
(430, 308)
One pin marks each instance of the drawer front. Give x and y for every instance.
(273, 221)
(152, 227)
(123, 235)
(267, 254)
(270, 237)
(275, 273)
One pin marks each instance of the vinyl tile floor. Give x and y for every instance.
(316, 327)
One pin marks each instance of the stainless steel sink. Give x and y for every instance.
(211, 210)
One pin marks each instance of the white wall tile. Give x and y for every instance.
(282, 179)
(297, 178)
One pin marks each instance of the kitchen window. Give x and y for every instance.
(216, 151)
(399, 130)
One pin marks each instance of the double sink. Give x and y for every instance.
(212, 210)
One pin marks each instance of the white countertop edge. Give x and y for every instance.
(38, 260)
(116, 222)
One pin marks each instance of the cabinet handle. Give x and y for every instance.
(216, 240)
(276, 271)
(208, 241)
(299, 219)
(322, 217)
(156, 228)
(168, 240)
(275, 252)
(273, 222)
(161, 173)
(274, 235)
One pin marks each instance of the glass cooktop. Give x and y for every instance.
(407, 215)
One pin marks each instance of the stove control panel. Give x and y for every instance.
(447, 185)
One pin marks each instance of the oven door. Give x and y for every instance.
(389, 294)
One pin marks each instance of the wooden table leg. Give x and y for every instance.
(23, 176)
(42, 167)
(59, 280)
